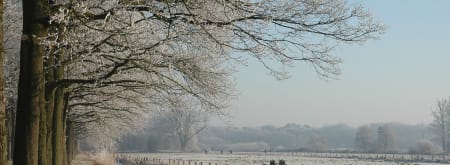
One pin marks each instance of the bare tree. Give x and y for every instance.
(385, 140)
(364, 139)
(441, 123)
(426, 147)
(317, 143)
(188, 120)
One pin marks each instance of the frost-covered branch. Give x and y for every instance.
(150, 51)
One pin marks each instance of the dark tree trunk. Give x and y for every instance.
(43, 138)
(49, 108)
(58, 127)
(3, 128)
(444, 137)
(69, 142)
(31, 82)
(58, 135)
(11, 118)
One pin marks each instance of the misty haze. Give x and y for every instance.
(220, 82)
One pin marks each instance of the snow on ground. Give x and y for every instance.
(82, 159)
(254, 159)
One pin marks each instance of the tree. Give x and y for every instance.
(441, 122)
(113, 43)
(12, 24)
(188, 121)
(317, 143)
(31, 82)
(363, 139)
(426, 147)
(3, 125)
(175, 128)
(98, 54)
(385, 140)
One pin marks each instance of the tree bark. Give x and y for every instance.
(49, 124)
(49, 108)
(3, 128)
(11, 121)
(31, 82)
(46, 118)
(444, 137)
(43, 138)
(58, 127)
(70, 142)
(58, 135)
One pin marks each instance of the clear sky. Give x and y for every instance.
(396, 78)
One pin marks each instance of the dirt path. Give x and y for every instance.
(82, 159)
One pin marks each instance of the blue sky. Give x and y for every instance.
(396, 78)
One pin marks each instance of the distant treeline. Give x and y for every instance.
(296, 137)
(380, 137)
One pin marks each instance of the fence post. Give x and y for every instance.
(272, 162)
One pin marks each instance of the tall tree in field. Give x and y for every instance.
(3, 127)
(441, 123)
(188, 120)
(31, 82)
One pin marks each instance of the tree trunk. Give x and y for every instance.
(65, 121)
(444, 137)
(46, 123)
(31, 82)
(58, 135)
(71, 142)
(43, 138)
(49, 108)
(58, 127)
(11, 118)
(3, 128)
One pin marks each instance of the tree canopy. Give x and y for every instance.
(103, 65)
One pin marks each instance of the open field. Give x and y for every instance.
(264, 158)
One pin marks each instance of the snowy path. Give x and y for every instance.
(82, 159)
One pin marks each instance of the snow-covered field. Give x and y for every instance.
(253, 159)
